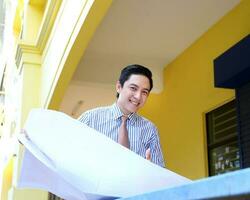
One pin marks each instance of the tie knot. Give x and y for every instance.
(124, 118)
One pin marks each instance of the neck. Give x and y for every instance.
(124, 112)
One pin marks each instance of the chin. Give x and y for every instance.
(133, 110)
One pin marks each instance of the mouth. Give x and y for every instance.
(135, 103)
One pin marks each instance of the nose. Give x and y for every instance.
(137, 95)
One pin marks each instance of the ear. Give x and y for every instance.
(118, 87)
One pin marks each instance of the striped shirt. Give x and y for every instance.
(142, 133)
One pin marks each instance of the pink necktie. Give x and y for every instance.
(123, 133)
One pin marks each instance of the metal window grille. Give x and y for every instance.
(222, 139)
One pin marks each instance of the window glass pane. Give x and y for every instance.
(222, 139)
(224, 158)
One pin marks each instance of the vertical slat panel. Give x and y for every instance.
(243, 107)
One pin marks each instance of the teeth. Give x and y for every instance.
(135, 103)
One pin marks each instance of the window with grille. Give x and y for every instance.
(222, 139)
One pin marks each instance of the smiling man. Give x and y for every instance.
(121, 122)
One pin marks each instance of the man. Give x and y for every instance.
(120, 121)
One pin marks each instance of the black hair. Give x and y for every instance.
(135, 69)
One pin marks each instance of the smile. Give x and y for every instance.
(134, 102)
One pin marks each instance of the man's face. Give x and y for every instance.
(133, 94)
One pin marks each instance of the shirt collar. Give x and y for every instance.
(117, 113)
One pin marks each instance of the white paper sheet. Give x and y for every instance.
(75, 162)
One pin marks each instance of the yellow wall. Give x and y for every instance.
(18, 19)
(27, 194)
(7, 179)
(34, 15)
(189, 92)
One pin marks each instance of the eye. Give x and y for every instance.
(145, 92)
(133, 88)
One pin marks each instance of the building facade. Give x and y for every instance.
(42, 44)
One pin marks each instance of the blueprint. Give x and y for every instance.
(75, 162)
